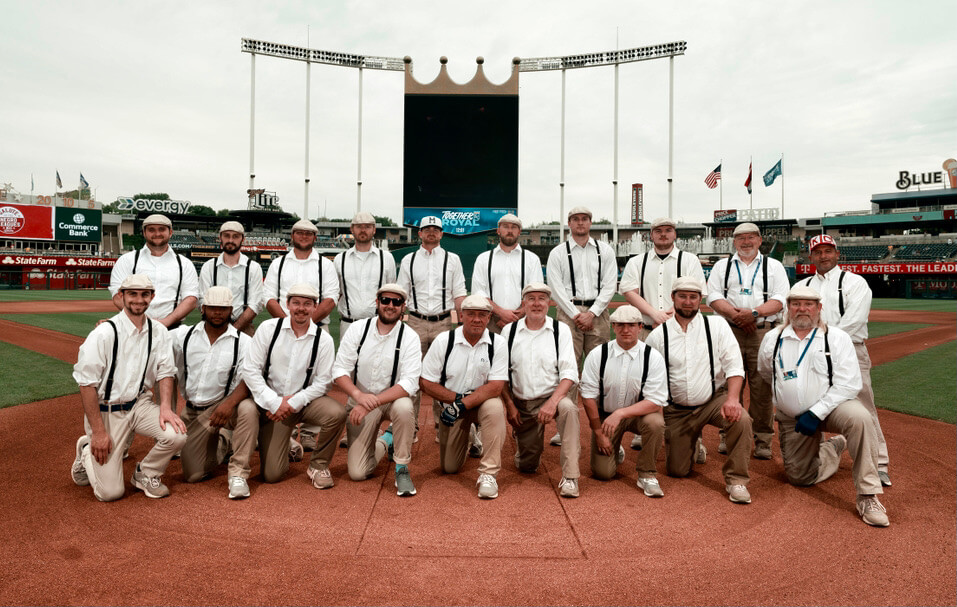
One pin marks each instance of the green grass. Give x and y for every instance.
(880, 329)
(28, 376)
(924, 305)
(8, 295)
(921, 384)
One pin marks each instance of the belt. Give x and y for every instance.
(647, 327)
(584, 302)
(107, 408)
(432, 318)
(344, 319)
(190, 405)
(683, 407)
(768, 324)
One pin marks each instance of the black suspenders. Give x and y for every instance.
(764, 276)
(245, 280)
(179, 265)
(282, 261)
(511, 340)
(644, 263)
(395, 359)
(571, 266)
(601, 378)
(445, 266)
(840, 291)
(448, 352)
(521, 280)
(232, 368)
(827, 357)
(312, 357)
(116, 344)
(707, 332)
(345, 292)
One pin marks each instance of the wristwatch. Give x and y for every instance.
(754, 313)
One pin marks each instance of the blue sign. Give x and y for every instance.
(458, 221)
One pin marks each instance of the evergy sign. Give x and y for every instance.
(154, 206)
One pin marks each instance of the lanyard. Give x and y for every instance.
(753, 276)
(809, 342)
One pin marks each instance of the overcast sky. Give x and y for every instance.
(155, 96)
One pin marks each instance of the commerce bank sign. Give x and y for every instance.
(153, 205)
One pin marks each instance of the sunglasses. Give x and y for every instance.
(391, 301)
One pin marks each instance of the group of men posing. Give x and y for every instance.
(668, 372)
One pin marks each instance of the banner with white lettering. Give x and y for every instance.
(82, 225)
(47, 261)
(26, 221)
(888, 268)
(457, 221)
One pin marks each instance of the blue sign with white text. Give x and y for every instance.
(458, 221)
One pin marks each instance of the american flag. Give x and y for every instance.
(747, 182)
(712, 179)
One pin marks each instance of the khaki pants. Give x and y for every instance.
(324, 412)
(200, 453)
(683, 427)
(143, 418)
(362, 459)
(651, 427)
(866, 397)
(454, 441)
(585, 342)
(760, 406)
(530, 436)
(808, 461)
(427, 332)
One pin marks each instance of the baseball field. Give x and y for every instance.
(361, 544)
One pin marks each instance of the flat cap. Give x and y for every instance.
(626, 314)
(303, 289)
(663, 221)
(687, 283)
(305, 225)
(158, 220)
(232, 226)
(799, 291)
(537, 287)
(580, 211)
(430, 220)
(747, 228)
(391, 287)
(476, 302)
(510, 218)
(137, 281)
(363, 217)
(218, 297)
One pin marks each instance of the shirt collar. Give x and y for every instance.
(313, 255)
(169, 250)
(310, 331)
(756, 258)
(836, 270)
(460, 338)
(498, 249)
(354, 251)
(632, 353)
(788, 333)
(230, 331)
(523, 326)
(221, 260)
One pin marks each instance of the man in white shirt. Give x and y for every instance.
(542, 369)
(242, 275)
(624, 389)
(362, 269)
(466, 370)
(748, 290)
(288, 370)
(219, 415)
(846, 301)
(815, 377)
(705, 376)
(502, 273)
(378, 366)
(173, 276)
(117, 366)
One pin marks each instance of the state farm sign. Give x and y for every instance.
(48, 261)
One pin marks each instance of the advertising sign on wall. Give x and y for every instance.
(637, 203)
(26, 221)
(82, 225)
(888, 268)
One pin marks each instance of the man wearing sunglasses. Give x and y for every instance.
(378, 366)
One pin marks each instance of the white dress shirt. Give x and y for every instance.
(234, 278)
(689, 369)
(425, 295)
(295, 271)
(96, 354)
(164, 273)
(374, 374)
(468, 367)
(749, 276)
(209, 364)
(659, 275)
(809, 389)
(287, 371)
(623, 376)
(857, 302)
(536, 370)
(588, 283)
(357, 286)
(506, 286)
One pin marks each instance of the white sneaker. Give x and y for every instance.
(872, 511)
(738, 494)
(556, 441)
(651, 487)
(295, 450)
(487, 487)
(78, 471)
(636, 442)
(568, 487)
(321, 478)
(621, 454)
(238, 489)
(151, 486)
(701, 456)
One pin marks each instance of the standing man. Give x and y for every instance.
(502, 273)
(288, 370)
(697, 394)
(173, 276)
(435, 280)
(815, 378)
(749, 291)
(209, 356)
(466, 369)
(362, 269)
(624, 389)
(116, 368)
(846, 301)
(242, 275)
(378, 366)
(542, 369)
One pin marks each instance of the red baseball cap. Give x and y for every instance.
(821, 239)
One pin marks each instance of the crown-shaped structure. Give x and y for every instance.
(444, 85)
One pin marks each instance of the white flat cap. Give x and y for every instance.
(303, 289)
(391, 287)
(747, 228)
(663, 221)
(305, 225)
(687, 283)
(430, 220)
(363, 217)
(626, 314)
(579, 211)
(137, 281)
(799, 291)
(157, 220)
(232, 226)
(510, 218)
(476, 302)
(537, 287)
(218, 297)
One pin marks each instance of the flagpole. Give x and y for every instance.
(721, 188)
(751, 179)
(782, 185)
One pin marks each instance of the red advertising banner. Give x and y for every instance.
(26, 221)
(49, 261)
(726, 216)
(888, 268)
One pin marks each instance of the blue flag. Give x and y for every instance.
(83, 183)
(59, 184)
(771, 175)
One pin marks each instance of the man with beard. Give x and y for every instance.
(362, 269)
(466, 369)
(846, 301)
(219, 415)
(697, 395)
(502, 273)
(815, 379)
(624, 389)
(242, 275)
(173, 276)
(288, 370)
(378, 366)
(542, 369)
(117, 366)
(748, 290)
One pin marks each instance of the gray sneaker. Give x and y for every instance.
(475, 441)
(761, 451)
(636, 442)
(568, 487)
(651, 487)
(321, 478)
(885, 478)
(151, 486)
(621, 454)
(487, 487)
(555, 441)
(722, 445)
(295, 450)
(738, 494)
(403, 483)
(78, 471)
(701, 456)
(238, 489)
(872, 511)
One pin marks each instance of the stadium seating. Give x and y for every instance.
(856, 254)
(926, 252)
